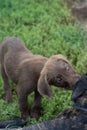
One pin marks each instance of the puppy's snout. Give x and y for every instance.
(77, 77)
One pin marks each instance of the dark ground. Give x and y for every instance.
(70, 119)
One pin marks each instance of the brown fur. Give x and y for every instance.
(30, 71)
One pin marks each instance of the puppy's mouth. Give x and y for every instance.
(60, 82)
(63, 83)
(66, 85)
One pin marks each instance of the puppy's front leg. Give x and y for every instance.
(35, 111)
(7, 88)
(23, 103)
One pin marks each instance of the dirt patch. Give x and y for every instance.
(79, 9)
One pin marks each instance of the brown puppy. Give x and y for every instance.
(30, 71)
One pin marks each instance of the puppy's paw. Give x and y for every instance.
(25, 115)
(34, 115)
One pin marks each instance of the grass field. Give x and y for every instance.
(47, 27)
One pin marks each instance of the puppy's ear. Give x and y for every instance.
(43, 86)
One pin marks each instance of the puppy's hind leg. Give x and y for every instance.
(23, 101)
(35, 111)
(7, 88)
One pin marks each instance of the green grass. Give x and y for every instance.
(47, 27)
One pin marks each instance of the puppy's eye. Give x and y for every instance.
(67, 68)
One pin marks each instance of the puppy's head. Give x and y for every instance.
(57, 71)
(79, 95)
